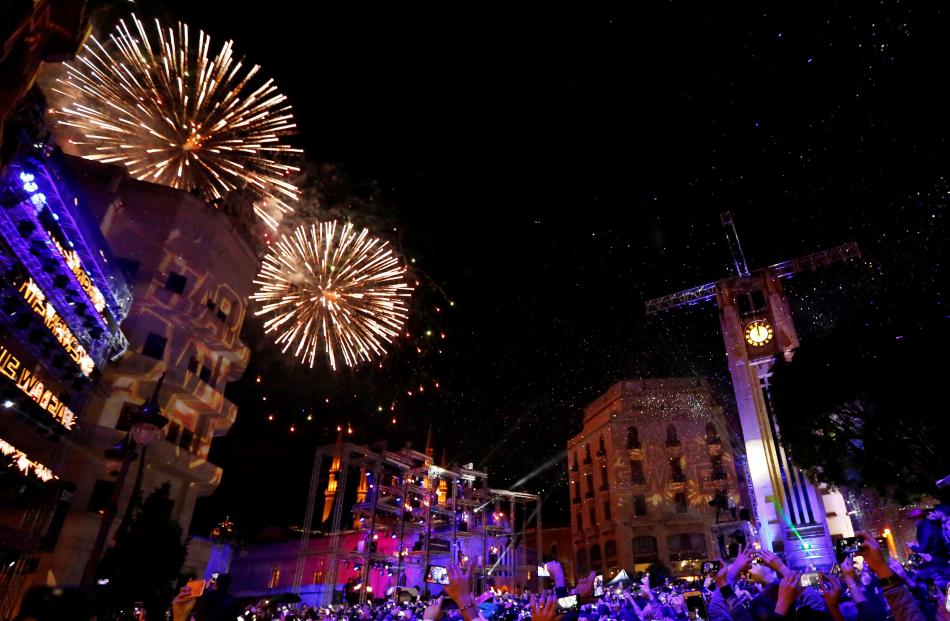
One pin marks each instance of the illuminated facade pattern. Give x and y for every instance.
(192, 275)
(651, 457)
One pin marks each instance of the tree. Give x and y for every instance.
(146, 560)
(659, 573)
(865, 405)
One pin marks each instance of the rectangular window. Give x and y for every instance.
(101, 495)
(222, 316)
(676, 469)
(172, 434)
(205, 375)
(185, 440)
(682, 506)
(590, 484)
(593, 516)
(607, 510)
(604, 483)
(639, 505)
(210, 304)
(193, 365)
(176, 283)
(580, 523)
(154, 346)
(128, 267)
(636, 472)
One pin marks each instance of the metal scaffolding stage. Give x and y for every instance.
(387, 516)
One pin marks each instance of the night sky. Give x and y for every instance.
(551, 170)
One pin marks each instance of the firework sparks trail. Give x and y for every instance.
(327, 286)
(172, 114)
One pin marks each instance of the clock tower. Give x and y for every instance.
(795, 516)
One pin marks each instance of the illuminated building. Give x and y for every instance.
(387, 537)
(191, 273)
(797, 518)
(32, 33)
(62, 300)
(652, 455)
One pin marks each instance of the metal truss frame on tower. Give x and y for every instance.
(453, 515)
(785, 269)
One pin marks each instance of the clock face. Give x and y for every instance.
(758, 333)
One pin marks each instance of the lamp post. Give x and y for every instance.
(146, 421)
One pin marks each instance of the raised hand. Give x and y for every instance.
(830, 589)
(873, 556)
(585, 586)
(543, 608)
(183, 604)
(742, 562)
(458, 587)
(847, 569)
(557, 573)
(788, 591)
(773, 562)
(433, 611)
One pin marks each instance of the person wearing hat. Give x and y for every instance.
(931, 544)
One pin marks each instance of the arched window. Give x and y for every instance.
(712, 434)
(576, 465)
(672, 439)
(577, 491)
(602, 447)
(587, 453)
(274, 577)
(633, 438)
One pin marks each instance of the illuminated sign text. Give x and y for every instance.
(55, 324)
(32, 387)
(75, 265)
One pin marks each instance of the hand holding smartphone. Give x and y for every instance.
(197, 588)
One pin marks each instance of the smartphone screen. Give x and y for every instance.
(946, 604)
(599, 585)
(695, 602)
(567, 604)
(437, 574)
(810, 579)
(197, 587)
(543, 571)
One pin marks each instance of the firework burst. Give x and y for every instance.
(172, 114)
(329, 287)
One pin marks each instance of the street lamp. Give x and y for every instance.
(146, 421)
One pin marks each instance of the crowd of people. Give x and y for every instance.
(755, 586)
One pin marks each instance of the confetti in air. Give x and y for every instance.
(172, 114)
(329, 287)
